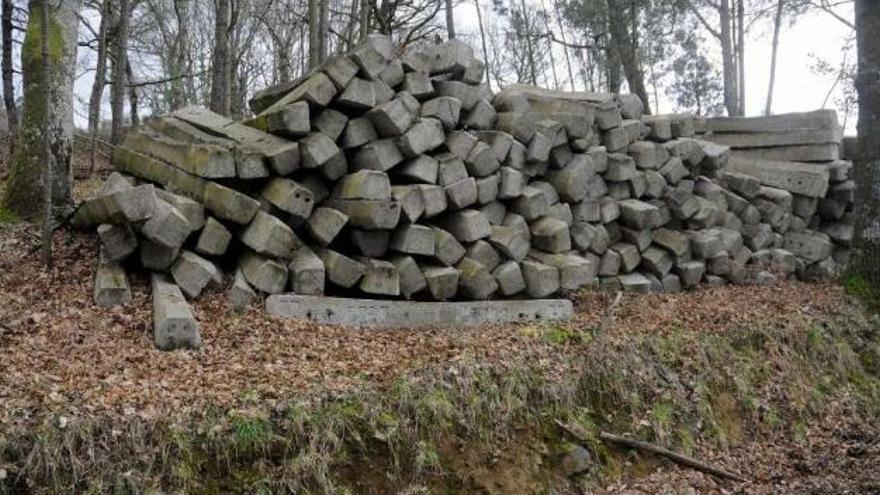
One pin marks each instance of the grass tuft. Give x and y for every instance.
(8, 217)
(856, 285)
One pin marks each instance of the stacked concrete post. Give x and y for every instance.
(806, 191)
(406, 177)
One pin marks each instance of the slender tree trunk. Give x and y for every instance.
(181, 48)
(728, 61)
(303, 54)
(133, 98)
(777, 23)
(868, 159)
(626, 46)
(8, 87)
(450, 21)
(654, 88)
(365, 20)
(550, 47)
(741, 56)
(117, 91)
(314, 34)
(283, 63)
(192, 92)
(323, 27)
(220, 58)
(564, 43)
(483, 42)
(587, 68)
(352, 20)
(99, 83)
(612, 60)
(48, 172)
(239, 93)
(529, 49)
(45, 118)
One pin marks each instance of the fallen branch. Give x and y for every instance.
(675, 457)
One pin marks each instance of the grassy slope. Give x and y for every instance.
(691, 391)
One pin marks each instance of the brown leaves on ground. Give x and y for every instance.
(60, 352)
(838, 453)
(716, 309)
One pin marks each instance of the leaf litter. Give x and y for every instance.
(62, 355)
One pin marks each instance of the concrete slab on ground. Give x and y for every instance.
(405, 314)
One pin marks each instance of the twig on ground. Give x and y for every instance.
(675, 457)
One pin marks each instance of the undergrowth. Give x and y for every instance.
(861, 288)
(677, 390)
(7, 216)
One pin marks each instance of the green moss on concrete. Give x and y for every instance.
(260, 122)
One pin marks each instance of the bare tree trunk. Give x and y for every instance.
(324, 30)
(626, 46)
(239, 93)
(587, 67)
(777, 23)
(45, 118)
(220, 58)
(365, 19)
(48, 172)
(8, 87)
(867, 15)
(117, 91)
(612, 62)
(741, 56)
(450, 21)
(550, 47)
(132, 95)
(181, 48)
(314, 34)
(99, 83)
(483, 42)
(564, 43)
(528, 35)
(352, 20)
(303, 57)
(283, 64)
(728, 61)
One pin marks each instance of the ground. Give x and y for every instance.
(779, 383)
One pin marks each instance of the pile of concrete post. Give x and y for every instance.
(806, 193)
(393, 176)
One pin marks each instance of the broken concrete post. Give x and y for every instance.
(111, 283)
(193, 274)
(174, 326)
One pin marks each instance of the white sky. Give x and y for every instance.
(798, 88)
